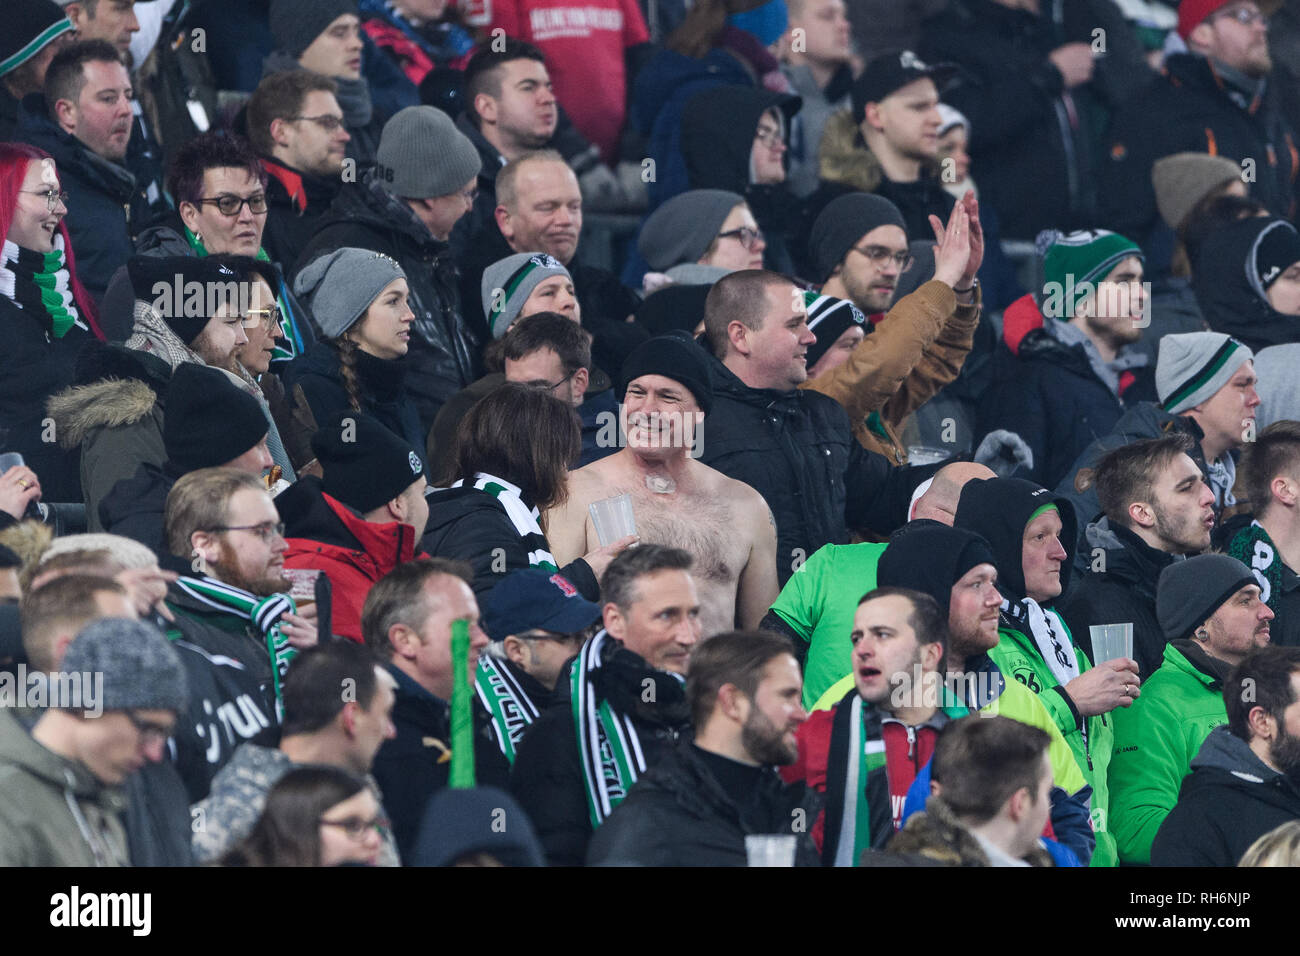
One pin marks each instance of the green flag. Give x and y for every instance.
(462, 713)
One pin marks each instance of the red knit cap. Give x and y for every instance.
(1191, 13)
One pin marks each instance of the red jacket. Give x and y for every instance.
(325, 534)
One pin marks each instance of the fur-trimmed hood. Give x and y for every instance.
(938, 838)
(29, 540)
(845, 158)
(115, 386)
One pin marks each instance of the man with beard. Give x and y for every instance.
(1156, 509)
(696, 806)
(1246, 779)
(234, 612)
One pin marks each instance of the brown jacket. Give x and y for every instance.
(914, 351)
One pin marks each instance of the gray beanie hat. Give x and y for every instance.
(1184, 179)
(142, 671)
(843, 223)
(1192, 366)
(508, 283)
(340, 286)
(683, 227)
(1190, 591)
(295, 24)
(423, 155)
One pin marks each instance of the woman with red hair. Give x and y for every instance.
(45, 318)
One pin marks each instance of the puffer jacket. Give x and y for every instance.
(913, 351)
(55, 811)
(324, 534)
(443, 354)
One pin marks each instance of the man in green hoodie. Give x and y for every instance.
(1029, 530)
(1212, 617)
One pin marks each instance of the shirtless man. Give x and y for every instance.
(677, 500)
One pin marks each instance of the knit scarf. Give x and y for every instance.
(1049, 635)
(608, 744)
(289, 343)
(506, 701)
(263, 613)
(354, 101)
(40, 285)
(527, 521)
(1254, 548)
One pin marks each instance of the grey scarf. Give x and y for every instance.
(353, 95)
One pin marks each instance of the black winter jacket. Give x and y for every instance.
(443, 356)
(547, 776)
(135, 506)
(1122, 590)
(797, 450)
(679, 815)
(295, 204)
(1229, 800)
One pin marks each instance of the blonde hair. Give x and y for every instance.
(1280, 847)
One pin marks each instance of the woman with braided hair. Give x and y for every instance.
(359, 300)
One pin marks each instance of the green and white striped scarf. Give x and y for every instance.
(506, 701)
(264, 613)
(527, 521)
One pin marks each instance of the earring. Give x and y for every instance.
(1201, 635)
(198, 237)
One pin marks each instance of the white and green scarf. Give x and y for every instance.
(40, 284)
(506, 701)
(527, 521)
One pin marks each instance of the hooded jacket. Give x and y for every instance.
(796, 449)
(547, 777)
(999, 509)
(1229, 800)
(325, 534)
(55, 811)
(1155, 741)
(678, 814)
(1122, 590)
(1228, 290)
(443, 351)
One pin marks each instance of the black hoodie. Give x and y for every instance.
(1229, 292)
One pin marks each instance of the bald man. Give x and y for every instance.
(816, 606)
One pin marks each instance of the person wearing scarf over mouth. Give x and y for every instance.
(1032, 534)
(45, 314)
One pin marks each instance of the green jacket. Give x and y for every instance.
(1017, 656)
(1155, 741)
(38, 826)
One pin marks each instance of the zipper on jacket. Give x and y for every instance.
(911, 742)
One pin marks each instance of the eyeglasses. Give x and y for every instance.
(542, 384)
(749, 238)
(326, 122)
(469, 195)
(265, 318)
(149, 733)
(769, 136)
(268, 531)
(1246, 16)
(355, 827)
(51, 197)
(230, 205)
(878, 254)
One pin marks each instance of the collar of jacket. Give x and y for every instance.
(728, 384)
(416, 705)
(491, 157)
(684, 773)
(313, 518)
(70, 153)
(385, 379)
(302, 188)
(1188, 656)
(1128, 557)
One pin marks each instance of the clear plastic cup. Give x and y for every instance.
(613, 518)
(1110, 641)
(770, 849)
(10, 459)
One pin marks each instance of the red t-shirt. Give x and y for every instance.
(583, 41)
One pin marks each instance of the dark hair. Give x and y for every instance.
(68, 602)
(549, 330)
(981, 761)
(280, 96)
(483, 72)
(618, 583)
(318, 677)
(66, 76)
(736, 657)
(288, 831)
(398, 598)
(698, 33)
(1275, 451)
(1209, 216)
(348, 347)
(1129, 473)
(740, 296)
(215, 149)
(927, 621)
(1262, 679)
(522, 434)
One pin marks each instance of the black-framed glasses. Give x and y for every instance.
(265, 318)
(1246, 16)
(51, 197)
(356, 828)
(469, 195)
(749, 238)
(325, 121)
(878, 254)
(150, 733)
(268, 531)
(543, 384)
(231, 205)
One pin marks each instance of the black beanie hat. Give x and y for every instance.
(998, 509)
(181, 288)
(30, 26)
(365, 465)
(828, 319)
(931, 557)
(210, 420)
(1189, 592)
(1277, 249)
(676, 356)
(295, 24)
(843, 222)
